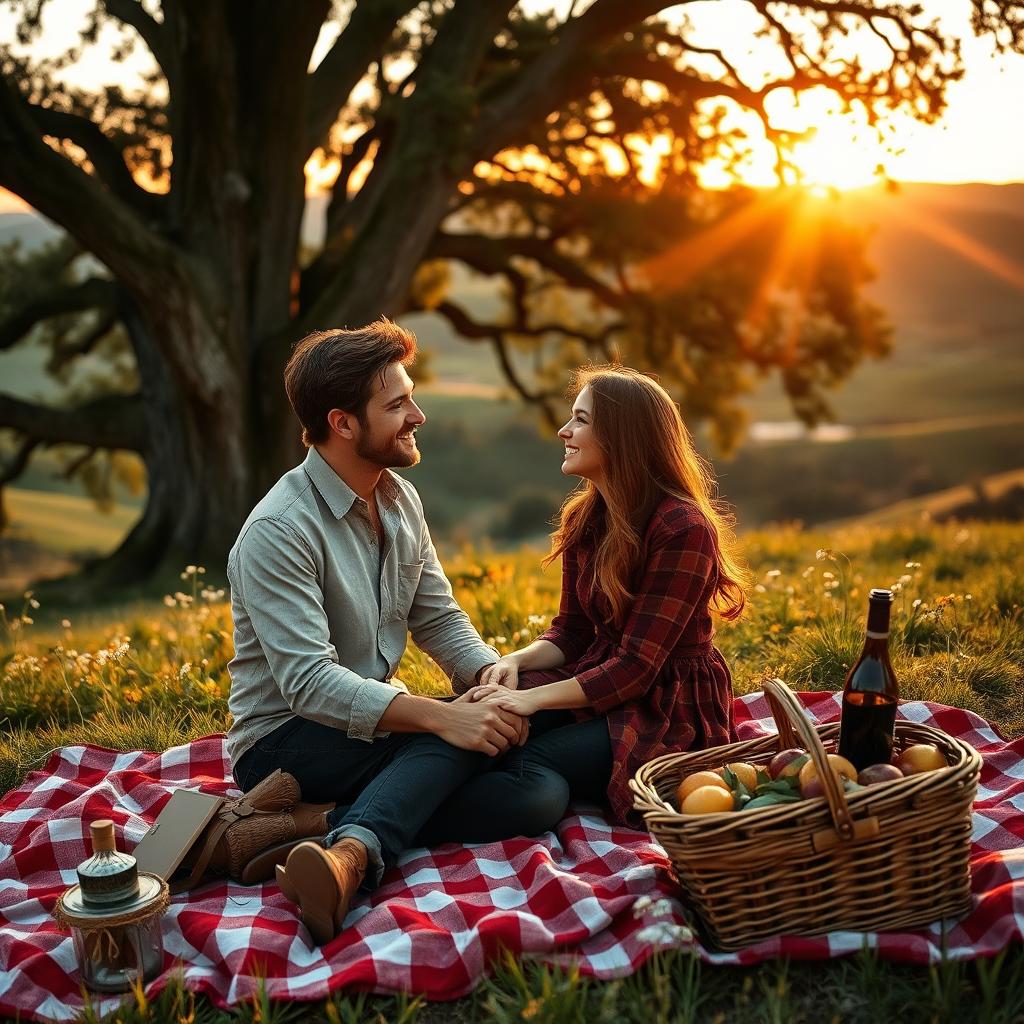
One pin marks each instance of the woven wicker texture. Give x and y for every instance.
(893, 855)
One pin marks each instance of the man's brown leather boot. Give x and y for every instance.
(323, 883)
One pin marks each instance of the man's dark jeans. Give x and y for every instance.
(411, 789)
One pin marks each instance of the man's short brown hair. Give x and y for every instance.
(336, 369)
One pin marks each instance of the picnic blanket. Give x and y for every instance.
(592, 895)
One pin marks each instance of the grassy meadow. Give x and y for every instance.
(154, 675)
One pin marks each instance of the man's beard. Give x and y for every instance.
(390, 454)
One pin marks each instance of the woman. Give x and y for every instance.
(628, 670)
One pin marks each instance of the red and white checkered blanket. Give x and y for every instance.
(440, 915)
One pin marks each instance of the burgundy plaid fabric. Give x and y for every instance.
(440, 916)
(659, 681)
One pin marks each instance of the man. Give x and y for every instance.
(330, 572)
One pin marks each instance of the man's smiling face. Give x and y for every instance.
(387, 429)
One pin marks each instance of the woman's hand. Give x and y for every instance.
(519, 702)
(504, 672)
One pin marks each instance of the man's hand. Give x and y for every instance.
(476, 725)
(504, 672)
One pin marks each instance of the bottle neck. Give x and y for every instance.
(878, 622)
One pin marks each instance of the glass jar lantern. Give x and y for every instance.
(114, 916)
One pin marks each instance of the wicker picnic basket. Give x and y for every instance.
(889, 856)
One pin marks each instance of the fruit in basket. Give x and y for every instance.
(696, 781)
(787, 763)
(841, 769)
(921, 757)
(745, 773)
(876, 773)
(708, 800)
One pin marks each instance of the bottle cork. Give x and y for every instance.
(102, 835)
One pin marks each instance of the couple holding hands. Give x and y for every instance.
(334, 569)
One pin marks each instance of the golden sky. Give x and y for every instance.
(974, 141)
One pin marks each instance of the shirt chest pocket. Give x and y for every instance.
(406, 586)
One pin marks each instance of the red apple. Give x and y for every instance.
(876, 773)
(786, 763)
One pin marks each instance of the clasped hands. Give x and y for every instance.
(498, 686)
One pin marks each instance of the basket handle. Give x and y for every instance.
(789, 717)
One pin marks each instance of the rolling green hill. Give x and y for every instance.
(944, 409)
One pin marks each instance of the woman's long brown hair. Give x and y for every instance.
(648, 455)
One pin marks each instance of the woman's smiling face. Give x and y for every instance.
(583, 455)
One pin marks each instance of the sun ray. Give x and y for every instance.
(957, 241)
(679, 265)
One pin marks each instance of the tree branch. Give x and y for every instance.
(96, 292)
(114, 421)
(153, 34)
(19, 461)
(101, 151)
(66, 351)
(472, 329)
(104, 224)
(491, 256)
(360, 43)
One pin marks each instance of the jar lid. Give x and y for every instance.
(78, 908)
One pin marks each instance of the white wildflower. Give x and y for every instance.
(642, 905)
(772, 573)
(665, 934)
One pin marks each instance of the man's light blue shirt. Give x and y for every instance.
(322, 610)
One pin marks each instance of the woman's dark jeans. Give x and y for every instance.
(411, 789)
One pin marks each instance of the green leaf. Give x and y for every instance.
(773, 799)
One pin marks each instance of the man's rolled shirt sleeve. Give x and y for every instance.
(676, 583)
(441, 628)
(284, 601)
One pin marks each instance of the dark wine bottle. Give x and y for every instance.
(870, 695)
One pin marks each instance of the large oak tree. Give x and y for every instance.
(503, 139)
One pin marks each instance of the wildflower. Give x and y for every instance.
(968, 597)
(772, 573)
(906, 579)
(828, 576)
(169, 601)
(184, 670)
(825, 555)
(665, 934)
(28, 621)
(916, 603)
(33, 603)
(536, 620)
(760, 588)
(65, 623)
(913, 565)
(809, 571)
(642, 905)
